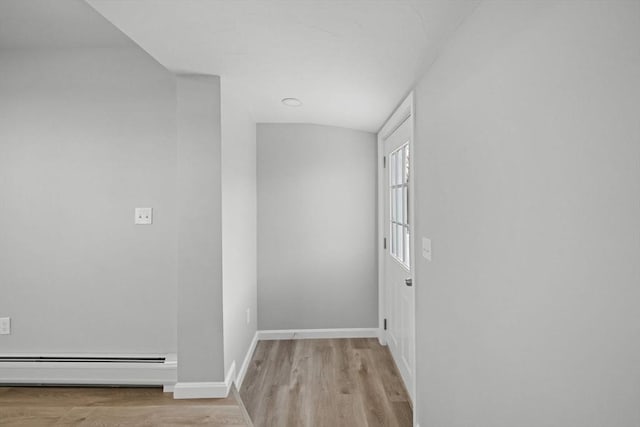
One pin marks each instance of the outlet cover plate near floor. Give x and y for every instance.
(5, 325)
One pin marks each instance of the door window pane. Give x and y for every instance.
(399, 204)
(407, 259)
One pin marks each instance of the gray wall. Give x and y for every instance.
(200, 327)
(239, 245)
(87, 135)
(317, 263)
(528, 182)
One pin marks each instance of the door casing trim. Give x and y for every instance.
(405, 111)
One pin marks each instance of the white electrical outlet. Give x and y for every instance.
(248, 316)
(5, 325)
(144, 216)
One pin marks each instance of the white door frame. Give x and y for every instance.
(405, 111)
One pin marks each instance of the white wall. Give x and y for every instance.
(199, 250)
(239, 245)
(528, 182)
(86, 135)
(317, 262)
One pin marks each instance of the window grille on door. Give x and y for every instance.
(399, 204)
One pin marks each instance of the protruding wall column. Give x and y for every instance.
(200, 317)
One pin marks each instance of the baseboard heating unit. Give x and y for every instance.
(88, 369)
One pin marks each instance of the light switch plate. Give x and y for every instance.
(5, 325)
(144, 216)
(426, 248)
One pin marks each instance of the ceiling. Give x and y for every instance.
(42, 24)
(350, 62)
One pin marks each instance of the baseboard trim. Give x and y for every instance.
(204, 390)
(247, 361)
(89, 373)
(301, 334)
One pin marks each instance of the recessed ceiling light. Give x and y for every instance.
(292, 102)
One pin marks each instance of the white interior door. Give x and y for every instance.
(398, 253)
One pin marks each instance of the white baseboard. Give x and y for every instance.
(247, 361)
(301, 334)
(202, 390)
(382, 337)
(85, 373)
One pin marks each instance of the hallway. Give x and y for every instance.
(325, 382)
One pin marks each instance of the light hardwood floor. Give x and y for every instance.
(332, 382)
(63, 406)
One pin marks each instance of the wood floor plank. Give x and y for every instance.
(323, 390)
(254, 383)
(223, 416)
(377, 408)
(89, 406)
(98, 396)
(281, 370)
(390, 376)
(276, 405)
(317, 383)
(346, 376)
(403, 412)
(298, 413)
(360, 343)
(30, 416)
(349, 411)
